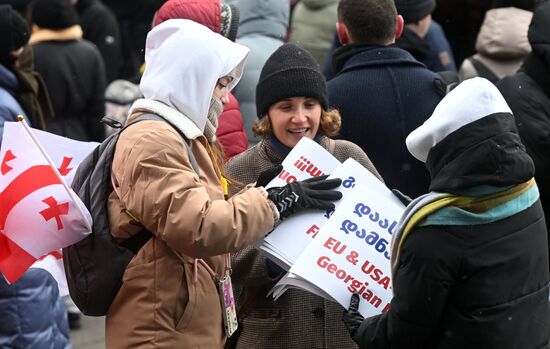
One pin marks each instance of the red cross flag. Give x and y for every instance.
(39, 213)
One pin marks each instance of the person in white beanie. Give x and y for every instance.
(469, 259)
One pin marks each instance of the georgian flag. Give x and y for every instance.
(37, 215)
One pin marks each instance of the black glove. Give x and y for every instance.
(405, 200)
(352, 318)
(267, 176)
(310, 193)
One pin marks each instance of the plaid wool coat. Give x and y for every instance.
(298, 319)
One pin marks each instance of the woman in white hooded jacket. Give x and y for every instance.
(169, 296)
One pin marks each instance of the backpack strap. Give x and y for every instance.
(446, 81)
(148, 116)
(483, 70)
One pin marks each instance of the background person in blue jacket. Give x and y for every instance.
(32, 315)
(469, 259)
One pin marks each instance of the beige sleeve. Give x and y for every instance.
(158, 185)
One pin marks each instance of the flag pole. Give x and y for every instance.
(55, 170)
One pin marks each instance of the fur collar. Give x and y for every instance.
(40, 34)
(174, 117)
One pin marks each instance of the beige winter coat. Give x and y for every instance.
(165, 301)
(501, 44)
(159, 304)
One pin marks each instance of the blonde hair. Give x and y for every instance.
(330, 124)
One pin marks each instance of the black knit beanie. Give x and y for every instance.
(14, 33)
(54, 14)
(414, 10)
(289, 72)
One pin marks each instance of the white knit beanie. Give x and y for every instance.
(471, 100)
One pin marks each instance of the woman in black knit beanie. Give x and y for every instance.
(292, 102)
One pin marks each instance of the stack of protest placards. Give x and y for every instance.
(307, 159)
(351, 253)
(338, 253)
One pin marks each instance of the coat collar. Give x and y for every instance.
(174, 117)
(354, 56)
(414, 44)
(40, 34)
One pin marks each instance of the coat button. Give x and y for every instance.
(319, 313)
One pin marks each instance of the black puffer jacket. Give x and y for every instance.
(471, 286)
(528, 94)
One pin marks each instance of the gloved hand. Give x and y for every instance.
(267, 176)
(352, 318)
(314, 193)
(405, 200)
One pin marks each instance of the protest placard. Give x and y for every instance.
(351, 253)
(307, 159)
(285, 244)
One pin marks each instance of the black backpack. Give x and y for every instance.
(94, 266)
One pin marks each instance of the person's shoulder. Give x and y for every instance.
(345, 145)
(86, 45)
(514, 83)
(344, 149)
(9, 110)
(9, 106)
(522, 93)
(434, 243)
(151, 136)
(246, 157)
(246, 166)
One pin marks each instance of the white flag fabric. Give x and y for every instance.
(37, 214)
(53, 264)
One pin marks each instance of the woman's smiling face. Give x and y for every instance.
(294, 118)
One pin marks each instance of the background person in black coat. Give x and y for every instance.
(528, 94)
(134, 18)
(473, 272)
(72, 69)
(100, 26)
(381, 91)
